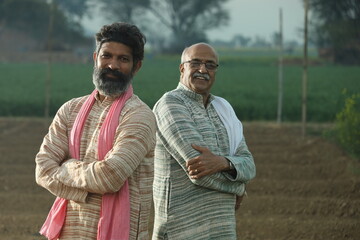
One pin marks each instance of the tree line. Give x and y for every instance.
(335, 28)
(32, 17)
(335, 24)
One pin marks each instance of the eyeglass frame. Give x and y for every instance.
(201, 63)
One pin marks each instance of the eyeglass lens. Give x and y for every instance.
(208, 65)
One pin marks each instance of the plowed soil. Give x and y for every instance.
(305, 188)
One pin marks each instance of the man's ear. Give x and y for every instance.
(94, 57)
(137, 67)
(181, 68)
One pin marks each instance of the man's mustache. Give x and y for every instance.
(115, 73)
(204, 75)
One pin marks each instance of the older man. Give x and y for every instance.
(98, 155)
(202, 162)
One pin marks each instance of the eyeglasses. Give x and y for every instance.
(197, 64)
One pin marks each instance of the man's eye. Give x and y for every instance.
(195, 64)
(124, 59)
(105, 55)
(211, 66)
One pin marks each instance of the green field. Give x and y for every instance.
(248, 83)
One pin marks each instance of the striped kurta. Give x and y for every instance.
(84, 182)
(188, 208)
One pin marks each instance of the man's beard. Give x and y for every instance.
(111, 86)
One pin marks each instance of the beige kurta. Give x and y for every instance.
(84, 182)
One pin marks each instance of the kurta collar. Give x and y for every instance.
(193, 95)
(106, 99)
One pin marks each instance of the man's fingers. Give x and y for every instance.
(193, 172)
(198, 174)
(190, 162)
(192, 165)
(197, 171)
(193, 161)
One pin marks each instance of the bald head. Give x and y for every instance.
(202, 47)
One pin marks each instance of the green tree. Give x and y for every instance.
(276, 39)
(29, 16)
(187, 20)
(240, 40)
(125, 11)
(74, 8)
(336, 25)
(32, 18)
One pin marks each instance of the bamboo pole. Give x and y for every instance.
(305, 70)
(49, 64)
(280, 70)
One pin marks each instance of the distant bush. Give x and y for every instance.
(348, 125)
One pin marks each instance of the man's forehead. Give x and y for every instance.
(115, 46)
(201, 52)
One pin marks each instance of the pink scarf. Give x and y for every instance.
(114, 222)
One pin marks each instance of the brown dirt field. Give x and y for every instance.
(304, 189)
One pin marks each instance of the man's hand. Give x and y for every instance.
(62, 162)
(206, 163)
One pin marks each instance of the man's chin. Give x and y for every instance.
(201, 83)
(111, 78)
(113, 92)
(110, 94)
(111, 87)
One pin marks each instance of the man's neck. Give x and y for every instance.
(101, 97)
(206, 99)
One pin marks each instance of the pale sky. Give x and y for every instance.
(249, 18)
(261, 18)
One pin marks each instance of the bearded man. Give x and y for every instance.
(97, 157)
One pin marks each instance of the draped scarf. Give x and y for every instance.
(114, 222)
(232, 124)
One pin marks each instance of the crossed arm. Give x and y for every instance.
(74, 179)
(178, 133)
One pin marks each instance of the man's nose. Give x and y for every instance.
(203, 68)
(114, 65)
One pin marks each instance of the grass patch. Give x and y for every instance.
(248, 83)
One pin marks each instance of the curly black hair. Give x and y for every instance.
(124, 33)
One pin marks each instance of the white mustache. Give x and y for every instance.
(204, 75)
